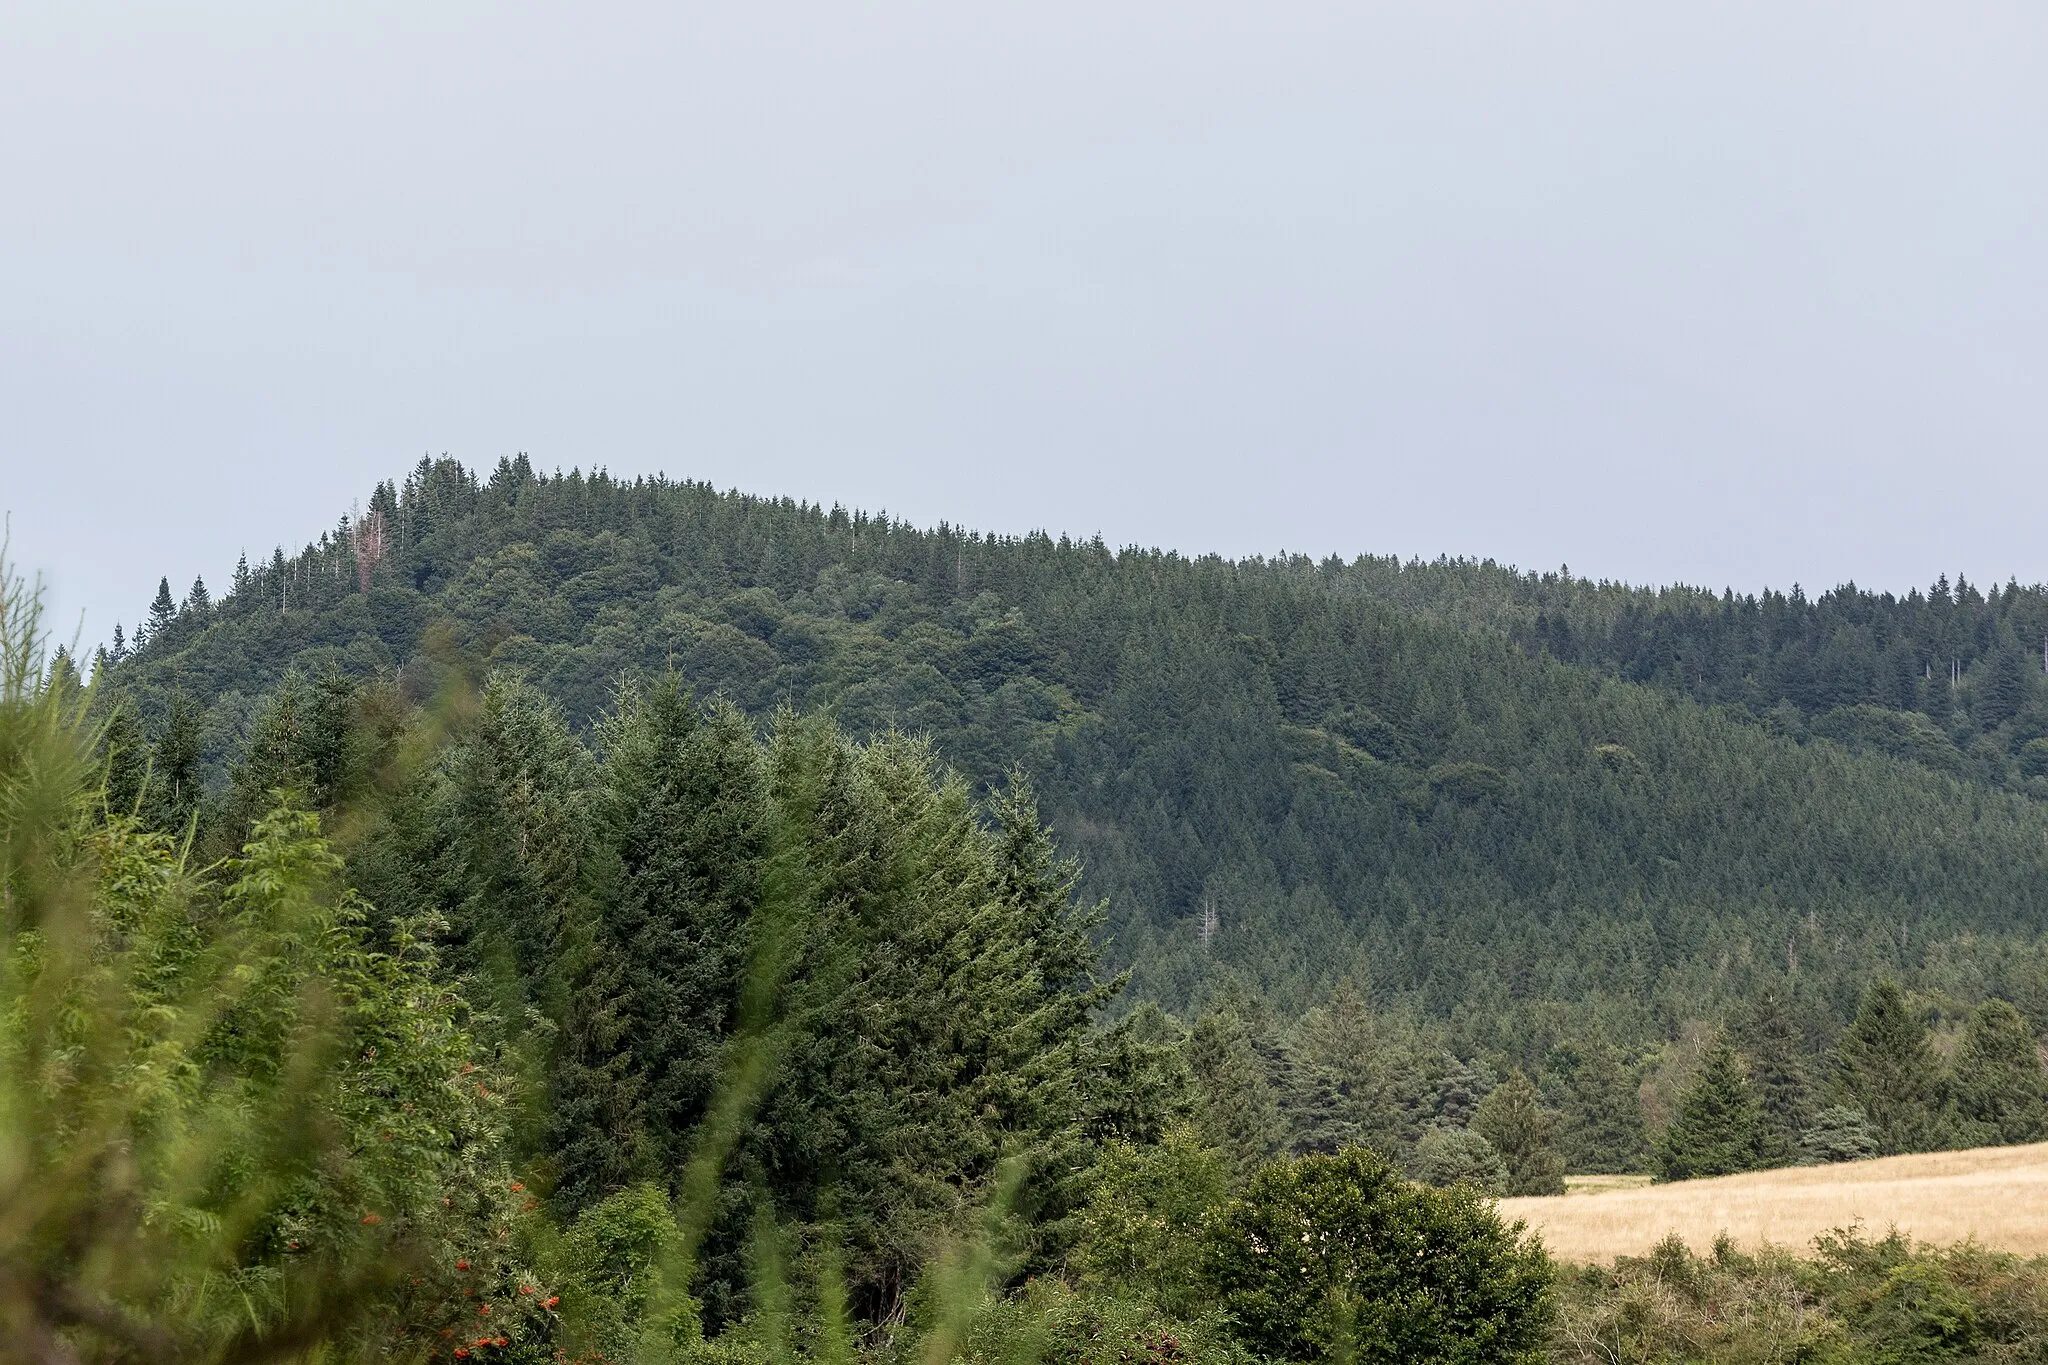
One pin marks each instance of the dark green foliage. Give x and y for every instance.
(162, 611)
(1365, 769)
(1447, 1156)
(1514, 1120)
(126, 755)
(1887, 1068)
(1236, 1111)
(1147, 1214)
(1601, 1129)
(1139, 1084)
(2001, 1087)
(1838, 1132)
(174, 791)
(1353, 1078)
(679, 830)
(1459, 1092)
(1719, 1128)
(1772, 1048)
(1338, 1257)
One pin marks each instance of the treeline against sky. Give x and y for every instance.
(1276, 772)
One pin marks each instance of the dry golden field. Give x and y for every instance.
(1998, 1195)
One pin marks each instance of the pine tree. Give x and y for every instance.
(1839, 1132)
(683, 823)
(1514, 1120)
(199, 601)
(1460, 1091)
(2001, 681)
(1329, 1080)
(1602, 1125)
(163, 610)
(1770, 1044)
(1236, 1110)
(241, 584)
(2001, 1086)
(1719, 1127)
(125, 759)
(120, 650)
(174, 783)
(1449, 1156)
(1886, 1067)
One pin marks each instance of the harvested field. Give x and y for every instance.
(1997, 1195)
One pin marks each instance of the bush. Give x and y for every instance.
(1147, 1209)
(1449, 1156)
(1051, 1324)
(1340, 1257)
(1840, 1132)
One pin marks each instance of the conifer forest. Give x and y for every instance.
(557, 918)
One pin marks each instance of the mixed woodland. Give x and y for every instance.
(623, 917)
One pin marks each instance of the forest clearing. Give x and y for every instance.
(1997, 1196)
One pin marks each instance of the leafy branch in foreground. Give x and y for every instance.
(231, 1128)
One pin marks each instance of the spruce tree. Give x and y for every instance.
(1887, 1068)
(2001, 1087)
(1839, 1132)
(682, 830)
(125, 760)
(1460, 1089)
(1602, 1125)
(174, 780)
(1719, 1126)
(1236, 1112)
(1770, 1044)
(199, 601)
(1329, 1075)
(1514, 1120)
(163, 610)
(1448, 1156)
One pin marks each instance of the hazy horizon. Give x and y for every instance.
(1735, 296)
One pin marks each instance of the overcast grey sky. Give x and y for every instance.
(1729, 293)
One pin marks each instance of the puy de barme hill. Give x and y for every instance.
(1518, 804)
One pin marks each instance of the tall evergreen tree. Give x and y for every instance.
(199, 601)
(2001, 1086)
(1602, 1125)
(682, 831)
(1887, 1068)
(1328, 1077)
(1237, 1111)
(1514, 1120)
(163, 610)
(174, 783)
(1460, 1090)
(1770, 1045)
(1719, 1127)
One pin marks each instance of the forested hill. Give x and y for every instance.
(1949, 677)
(1495, 797)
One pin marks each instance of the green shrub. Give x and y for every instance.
(1449, 1156)
(1147, 1210)
(1052, 1323)
(1340, 1257)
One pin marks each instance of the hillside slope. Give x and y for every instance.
(1268, 771)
